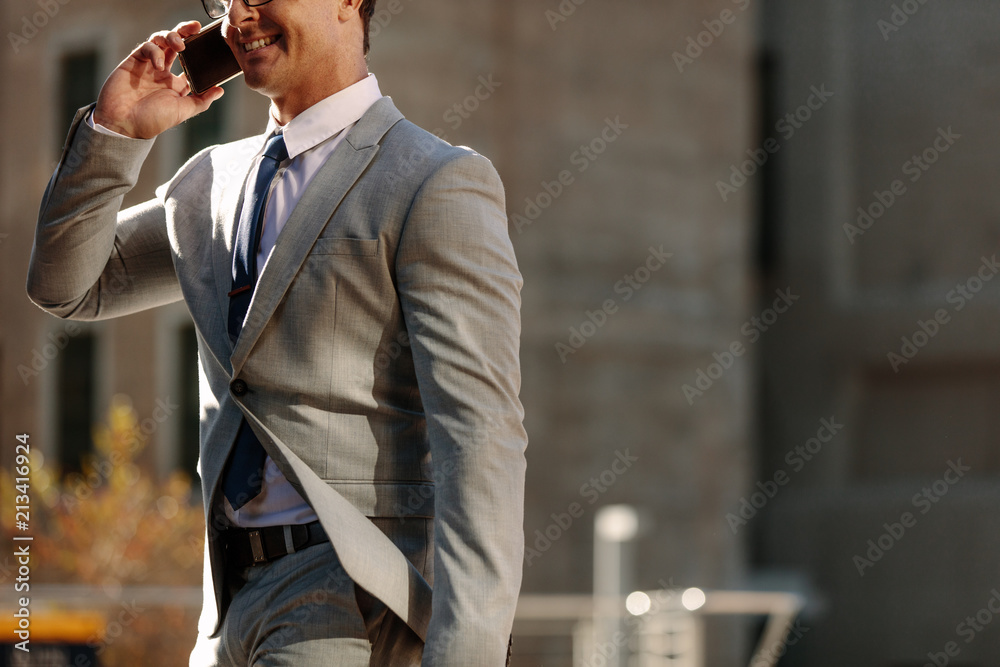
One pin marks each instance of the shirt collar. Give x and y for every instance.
(328, 117)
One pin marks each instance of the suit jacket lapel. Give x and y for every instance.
(308, 219)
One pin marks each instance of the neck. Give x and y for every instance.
(287, 106)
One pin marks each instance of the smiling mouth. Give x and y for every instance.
(259, 44)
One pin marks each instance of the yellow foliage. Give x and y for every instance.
(112, 524)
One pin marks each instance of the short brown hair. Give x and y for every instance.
(367, 10)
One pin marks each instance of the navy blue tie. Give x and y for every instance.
(244, 473)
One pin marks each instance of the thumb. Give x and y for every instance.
(192, 105)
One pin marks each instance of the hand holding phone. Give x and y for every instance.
(141, 98)
(207, 59)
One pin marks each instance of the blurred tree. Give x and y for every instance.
(113, 525)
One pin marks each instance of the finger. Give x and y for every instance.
(211, 95)
(180, 85)
(184, 29)
(176, 84)
(193, 105)
(160, 39)
(160, 42)
(175, 41)
(170, 57)
(188, 28)
(150, 52)
(170, 40)
(170, 43)
(162, 49)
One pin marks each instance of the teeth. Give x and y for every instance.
(258, 44)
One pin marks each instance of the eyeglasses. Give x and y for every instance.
(219, 8)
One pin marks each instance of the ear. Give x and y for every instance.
(347, 9)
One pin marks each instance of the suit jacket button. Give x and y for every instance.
(239, 387)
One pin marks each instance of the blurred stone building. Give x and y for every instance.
(679, 176)
(881, 213)
(609, 154)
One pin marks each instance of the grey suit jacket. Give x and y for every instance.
(380, 348)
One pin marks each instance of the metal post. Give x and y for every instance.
(615, 530)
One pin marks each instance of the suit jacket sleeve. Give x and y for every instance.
(89, 261)
(459, 288)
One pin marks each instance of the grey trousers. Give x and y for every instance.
(302, 610)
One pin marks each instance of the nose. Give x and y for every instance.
(239, 13)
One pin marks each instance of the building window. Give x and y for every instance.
(205, 129)
(188, 431)
(78, 85)
(769, 195)
(75, 402)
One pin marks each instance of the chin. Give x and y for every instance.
(259, 82)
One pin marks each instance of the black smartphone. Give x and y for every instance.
(207, 60)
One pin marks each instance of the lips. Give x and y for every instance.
(259, 43)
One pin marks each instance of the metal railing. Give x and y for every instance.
(663, 628)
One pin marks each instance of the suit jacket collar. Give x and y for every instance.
(304, 225)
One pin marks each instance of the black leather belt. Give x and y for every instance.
(256, 546)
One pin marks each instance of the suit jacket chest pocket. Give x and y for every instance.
(341, 246)
(337, 269)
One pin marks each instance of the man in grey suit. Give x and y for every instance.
(356, 300)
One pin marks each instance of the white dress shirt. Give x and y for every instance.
(310, 138)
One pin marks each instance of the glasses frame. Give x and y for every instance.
(212, 7)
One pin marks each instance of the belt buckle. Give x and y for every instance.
(256, 547)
